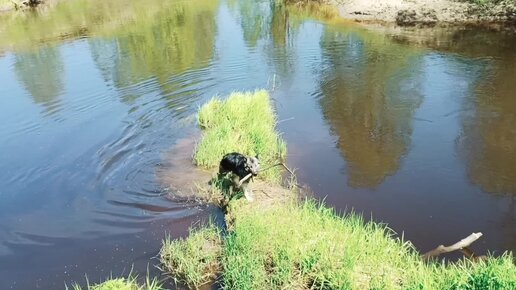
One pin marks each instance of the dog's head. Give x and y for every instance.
(253, 164)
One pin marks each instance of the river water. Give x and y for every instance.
(415, 129)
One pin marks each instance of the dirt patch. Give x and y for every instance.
(178, 173)
(185, 181)
(425, 12)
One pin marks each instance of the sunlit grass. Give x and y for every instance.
(193, 261)
(129, 283)
(309, 246)
(245, 123)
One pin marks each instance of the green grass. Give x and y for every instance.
(122, 284)
(309, 246)
(245, 123)
(193, 261)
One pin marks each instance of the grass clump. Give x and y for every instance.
(129, 283)
(193, 261)
(245, 123)
(308, 246)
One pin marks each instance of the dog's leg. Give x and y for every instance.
(247, 192)
(235, 181)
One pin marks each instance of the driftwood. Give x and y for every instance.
(461, 245)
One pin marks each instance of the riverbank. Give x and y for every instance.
(279, 241)
(8, 5)
(426, 12)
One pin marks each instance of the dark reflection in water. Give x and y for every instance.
(370, 91)
(488, 139)
(413, 128)
(41, 74)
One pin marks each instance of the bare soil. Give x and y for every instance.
(187, 182)
(426, 12)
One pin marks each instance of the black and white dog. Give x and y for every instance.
(240, 166)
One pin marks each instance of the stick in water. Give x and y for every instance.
(464, 243)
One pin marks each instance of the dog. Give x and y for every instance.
(240, 166)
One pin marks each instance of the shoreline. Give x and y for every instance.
(404, 13)
(425, 12)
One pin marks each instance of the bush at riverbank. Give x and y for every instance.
(304, 245)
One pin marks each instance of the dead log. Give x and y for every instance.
(460, 245)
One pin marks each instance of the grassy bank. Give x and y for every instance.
(308, 246)
(245, 123)
(203, 246)
(302, 245)
(122, 284)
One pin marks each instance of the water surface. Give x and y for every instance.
(413, 130)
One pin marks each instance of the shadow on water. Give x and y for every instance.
(414, 128)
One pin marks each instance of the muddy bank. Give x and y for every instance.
(186, 182)
(426, 12)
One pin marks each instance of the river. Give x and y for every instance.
(414, 129)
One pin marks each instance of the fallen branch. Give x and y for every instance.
(288, 169)
(250, 174)
(278, 164)
(460, 245)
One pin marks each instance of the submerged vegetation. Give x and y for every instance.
(303, 245)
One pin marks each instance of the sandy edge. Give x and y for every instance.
(427, 12)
